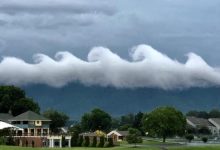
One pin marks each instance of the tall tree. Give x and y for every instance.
(8, 95)
(58, 119)
(164, 122)
(14, 99)
(24, 104)
(97, 119)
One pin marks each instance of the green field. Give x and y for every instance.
(117, 148)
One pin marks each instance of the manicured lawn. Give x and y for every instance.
(214, 147)
(76, 148)
(196, 148)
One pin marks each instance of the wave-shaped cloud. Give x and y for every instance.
(148, 68)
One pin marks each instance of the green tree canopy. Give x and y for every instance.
(134, 136)
(97, 119)
(14, 99)
(58, 119)
(24, 104)
(164, 122)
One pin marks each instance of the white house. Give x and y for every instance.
(216, 123)
(117, 135)
(201, 122)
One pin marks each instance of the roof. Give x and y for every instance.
(123, 133)
(88, 134)
(4, 125)
(5, 117)
(199, 121)
(118, 133)
(216, 120)
(29, 116)
(96, 133)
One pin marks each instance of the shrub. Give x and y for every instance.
(204, 139)
(94, 141)
(2, 140)
(63, 141)
(86, 141)
(10, 141)
(74, 139)
(101, 142)
(80, 140)
(106, 144)
(110, 140)
(189, 137)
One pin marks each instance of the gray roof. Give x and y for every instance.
(29, 116)
(216, 120)
(123, 133)
(5, 117)
(88, 134)
(200, 121)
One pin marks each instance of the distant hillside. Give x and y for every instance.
(76, 99)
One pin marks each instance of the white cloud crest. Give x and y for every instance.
(148, 68)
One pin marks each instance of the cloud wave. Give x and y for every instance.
(147, 68)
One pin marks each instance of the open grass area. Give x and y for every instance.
(76, 148)
(214, 147)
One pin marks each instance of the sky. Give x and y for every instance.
(159, 43)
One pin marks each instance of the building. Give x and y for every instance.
(35, 129)
(216, 123)
(117, 136)
(5, 117)
(198, 123)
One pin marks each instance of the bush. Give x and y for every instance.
(204, 139)
(189, 137)
(106, 144)
(101, 142)
(63, 141)
(86, 141)
(2, 140)
(10, 141)
(109, 143)
(80, 140)
(94, 141)
(110, 140)
(74, 139)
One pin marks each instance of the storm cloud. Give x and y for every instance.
(147, 68)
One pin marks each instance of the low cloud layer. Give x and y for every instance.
(147, 68)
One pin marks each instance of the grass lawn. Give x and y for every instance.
(214, 147)
(76, 148)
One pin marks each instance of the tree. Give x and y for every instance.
(75, 131)
(86, 141)
(94, 141)
(24, 104)
(214, 113)
(97, 119)
(101, 142)
(164, 122)
(189, 137)
(134, 136)
(58, 119)
(199, 114)
(13, 99)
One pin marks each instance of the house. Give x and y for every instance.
(216, 123)
(197, 123)
(35, 129)
(5, 117)
(117, 136)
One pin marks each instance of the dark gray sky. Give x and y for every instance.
(184, 35)
(174, 27)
